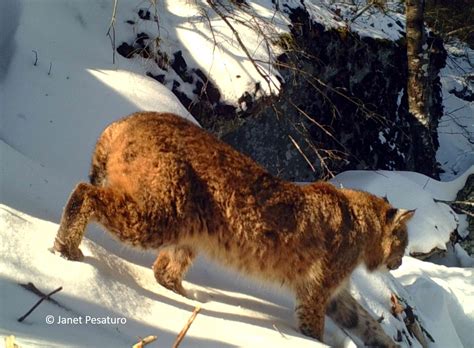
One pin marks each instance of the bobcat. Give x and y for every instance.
(160, 182)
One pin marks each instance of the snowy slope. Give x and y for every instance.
(106, 285)
(209, 44)
(235, 312)
(51, 114)
(439, 293)
(456, 127)
(50, 122)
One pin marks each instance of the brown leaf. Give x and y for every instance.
(397, 308)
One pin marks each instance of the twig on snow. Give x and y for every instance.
(10, 342)
(32, 288)
(112, 27)
(36, 57)
(144, 341)
(185, 329)
(281, 333)
(456, 205)
(44, 297)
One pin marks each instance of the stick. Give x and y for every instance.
(144, 341)
(10, 342)
(456, 205)
(281, 333)
(415, 330)
(185, 329)
(39, 302)
(32, 288)
(36, 57)
(424, 256)
(302, 153)
(467, 203)
(112, 27)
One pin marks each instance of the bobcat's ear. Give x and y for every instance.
(398, 216)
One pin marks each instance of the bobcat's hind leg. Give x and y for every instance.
(171, 266)
(117, 212)
(349, 314)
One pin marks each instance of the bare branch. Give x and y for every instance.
(144, 341)
(112, 27)
(38, 303)
(242, 45)
(302, 153)
(186, 327)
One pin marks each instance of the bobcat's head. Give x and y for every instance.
(396, 237)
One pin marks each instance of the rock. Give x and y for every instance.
(144, 14)
(346, 110)
(180, 67)
(125, 50)
(466, 194)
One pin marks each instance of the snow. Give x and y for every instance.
(384, 23)
(208, 43)
(235, 312)
(105, 285)
(456, 127)
(51, 114)
(50, 122)
(441, 292)
(387, 23)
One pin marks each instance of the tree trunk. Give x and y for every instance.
(419, 90)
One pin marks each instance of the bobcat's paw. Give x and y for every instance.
(309, 331)
(73, 254)
(383, 345)
(175, 287)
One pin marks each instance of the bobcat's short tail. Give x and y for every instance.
(97, 175)
(98, 172)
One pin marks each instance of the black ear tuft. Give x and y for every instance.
(397, 216)
(390, 215)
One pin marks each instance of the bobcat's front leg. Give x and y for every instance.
(171, 266)
(310, 310)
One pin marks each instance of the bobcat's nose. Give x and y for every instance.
(394, 264)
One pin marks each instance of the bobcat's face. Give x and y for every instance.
(397, 248)
(398, 236)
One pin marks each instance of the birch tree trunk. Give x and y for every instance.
(419, 90)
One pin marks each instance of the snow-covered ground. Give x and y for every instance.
(456, 127)
(52, 112)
